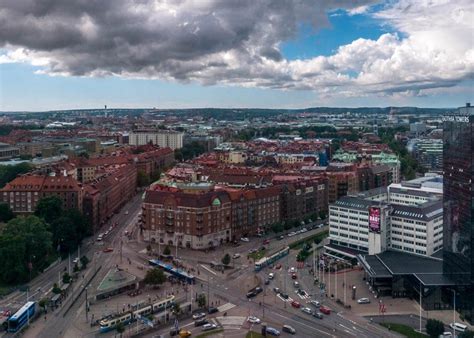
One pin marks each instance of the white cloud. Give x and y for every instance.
(237, 43)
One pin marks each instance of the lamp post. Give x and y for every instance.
(454, 312)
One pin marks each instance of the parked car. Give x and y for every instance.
(458, 327)
(258, 289)
(280, 237)
(244, 239)
(212, 310)
(292, 269)
(199, 315)
(251, 294)
(363, 301)
(289, 329)
(201, 322)
(108, 250)
(278, 266)
(271, 275)
(296, 284)
(273, 331)
(295, 304)
(325, 310)
(235, 256)
(209, 326)
(253, 320)
(318, 315)
(277, 290)
(307, 310)
(252, 250)
(284, 296)
(315, 303)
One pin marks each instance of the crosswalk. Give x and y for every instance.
(285, 300)
(304, 296)
(226, 307)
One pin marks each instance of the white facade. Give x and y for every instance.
(171, 139)
(417, 191)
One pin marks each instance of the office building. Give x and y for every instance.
(162, 138)
(458, 167)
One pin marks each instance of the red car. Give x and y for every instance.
(295, 304)
(108, 249)
(293, 276)
(325, 310)
(278, 266)
(267, 241)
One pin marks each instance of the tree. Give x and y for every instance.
(56, 289)
(120, 328)
(154, 277)
(25, 244)
(434, 328)
(142, 179)
(43, 303)
(226, 259)
(322, 214)
(84, 262)
(8, 173)
(176, 309)
(166, 251)
(466, 334)
(6, 213)
(288, 225)
(277, 227)
(49, 208)
(201, 300)
(66, 278)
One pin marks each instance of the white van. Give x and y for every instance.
(99, 238)
(458, 327)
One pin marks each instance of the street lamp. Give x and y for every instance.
(454, 312)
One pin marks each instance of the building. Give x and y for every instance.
(428, 152)
(197, 219)
(458, 167)
(24, 192)
(7, 151)
(162, 138)
(417, 191)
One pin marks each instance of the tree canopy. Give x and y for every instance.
(226, 259)
(6, 213)
(155, 277)
(9, 172)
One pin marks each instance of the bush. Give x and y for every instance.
(434, 328)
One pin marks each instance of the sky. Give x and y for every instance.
(57, 54)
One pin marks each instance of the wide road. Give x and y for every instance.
(63, 321)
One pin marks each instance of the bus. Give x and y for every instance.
(268, 260)
(21, 317)
(178, 273)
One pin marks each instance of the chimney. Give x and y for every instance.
(468, 104)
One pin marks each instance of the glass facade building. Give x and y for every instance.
(458, 168)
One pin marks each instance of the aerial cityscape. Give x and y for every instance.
(236, 168)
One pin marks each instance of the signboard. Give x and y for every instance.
(374, 219)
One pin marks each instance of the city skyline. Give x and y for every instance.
(213, 54)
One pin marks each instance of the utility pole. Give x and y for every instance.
(335, 283)
(121, 243)
(208, 299)
(87, 307)
(454, 312)
(345, 287)
(420, 306)
(69, 264)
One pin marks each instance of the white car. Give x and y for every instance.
(244, 239)
(253, 320)
(210, 326)
(292, 270)
(235, 256)
(271, 275)
(307, 310)
(315, 303)
(199, 315)
(363, 301)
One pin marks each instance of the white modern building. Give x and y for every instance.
(405, 217)
(163, 138)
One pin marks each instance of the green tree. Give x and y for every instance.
(226, 259)
(6, 213)
(84, 262)
(25, 244)
(154, 277)
(8, 173)
(201, 300)
(176, 309)
(142, 179)
(49, 208)
(56, 289)
(288, 225)
(66, 278)
(466, 334)
(277, 227)
(322, 214)
(43, 303)
(166, 251)
(434, 328)
(120, 329)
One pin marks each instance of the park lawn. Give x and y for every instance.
(210, 333)
(257, 255)
(404, 330)
(253, 334)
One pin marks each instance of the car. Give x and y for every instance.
(458, 327)
(292, 269)
(209, 326)
(253, 320)
(235, 256)
(252, 250)
(76, 260)
(304, 229)
(325, 310)
(272, 331)
(271, 275)
(108, 249)
(318, 315)
(295, 304)
(174, 332)
(184, 333)
(446, 335)
(280, 237)
(260, 234)
(199, 315)
(277, 290)
(267, 281)
(301, 292)
(100, 237)
(315, 303)
(296, 284)
(212, 310)
(294, 276)
(278, 266)
(363, 301)
(201, 322)
(126, 212)
(258, 289)
(284, 296)
(289, 329)
(263, 248)
(244, 239)
(266, 242)
(251, 294)
(307, 310)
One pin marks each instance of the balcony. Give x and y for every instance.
(169, 222)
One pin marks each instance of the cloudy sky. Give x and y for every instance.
(57, 54)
